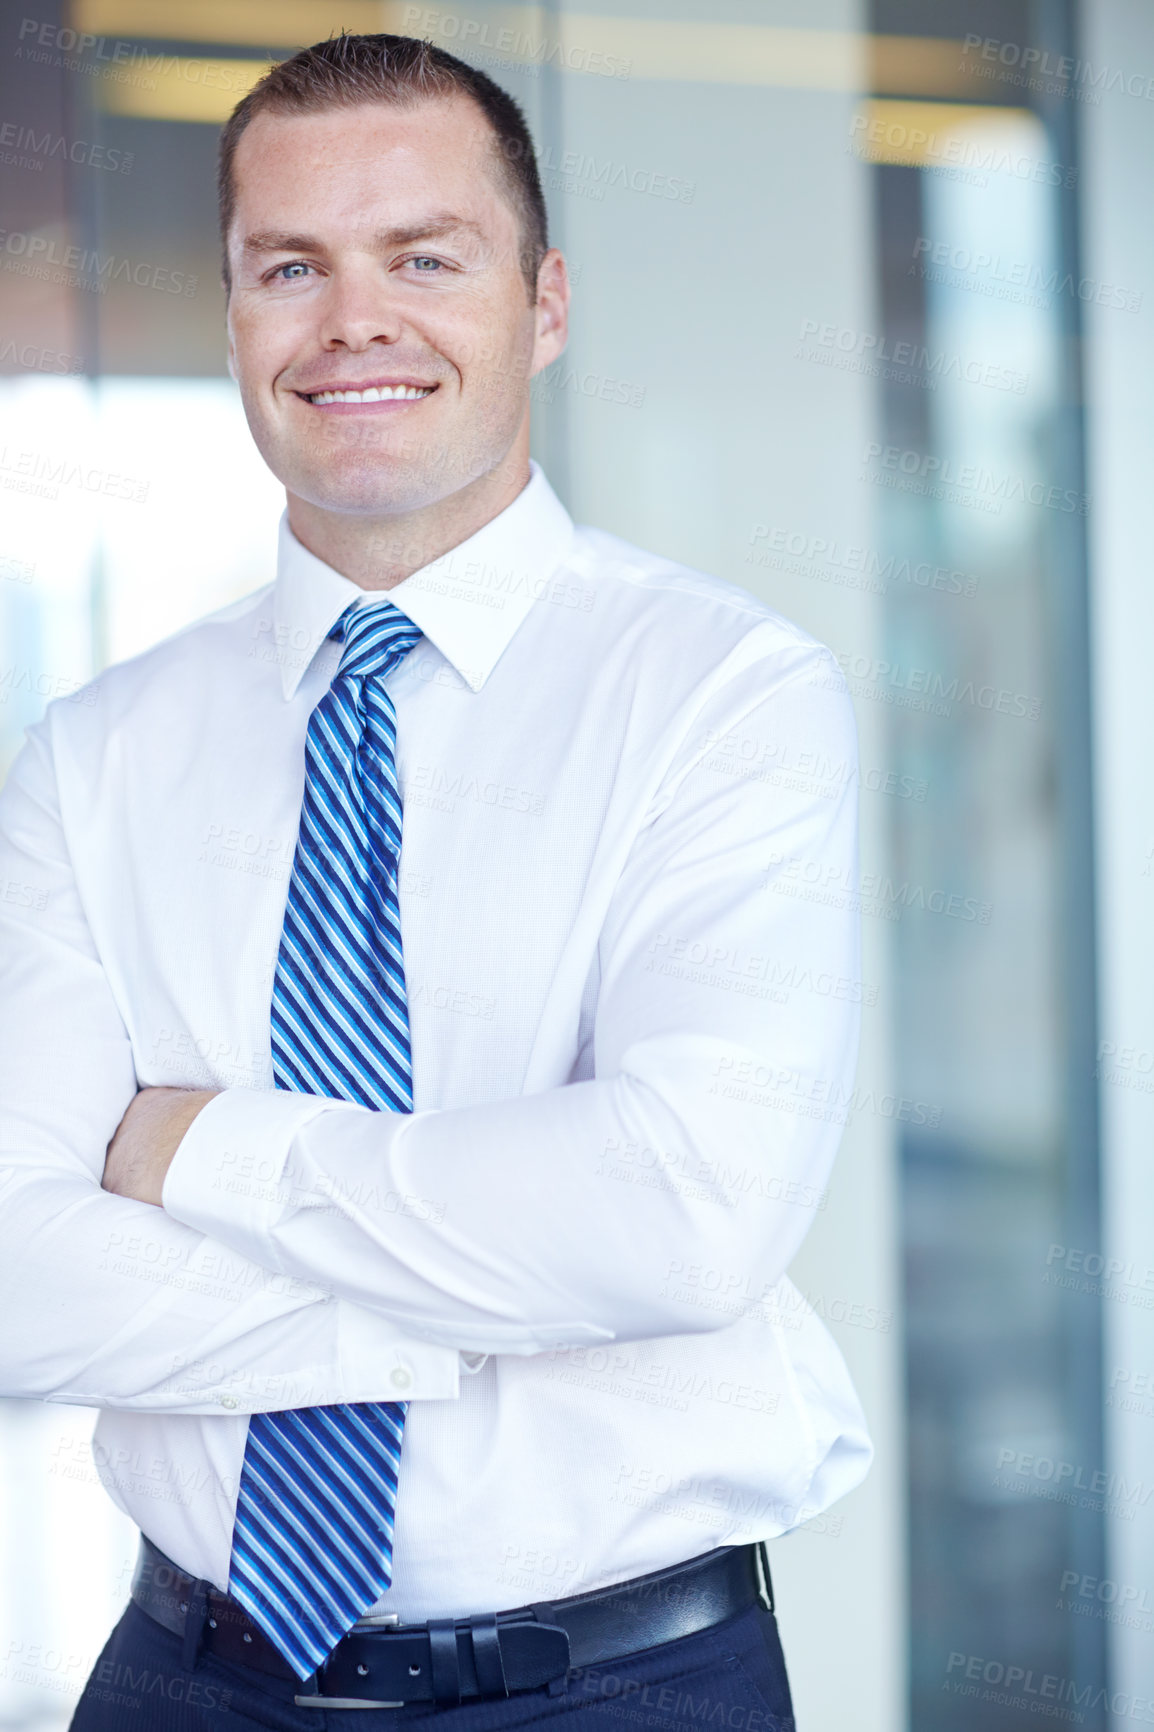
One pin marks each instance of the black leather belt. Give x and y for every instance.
(450, 1660)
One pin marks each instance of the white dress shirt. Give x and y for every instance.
(633, 983)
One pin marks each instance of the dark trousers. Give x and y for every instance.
(730, 1678)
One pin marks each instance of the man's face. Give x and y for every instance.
(374, 247)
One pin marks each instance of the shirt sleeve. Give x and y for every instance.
(669, 1190)
(104, 1301)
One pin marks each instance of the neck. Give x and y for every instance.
(379, 552)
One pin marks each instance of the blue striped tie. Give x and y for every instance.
(313, 1542)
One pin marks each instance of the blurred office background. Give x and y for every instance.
(864, 321)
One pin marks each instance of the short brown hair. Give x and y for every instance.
(348, 70)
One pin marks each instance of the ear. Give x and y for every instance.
(231, 357)
(552, 310)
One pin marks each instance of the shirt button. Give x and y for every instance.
(401, 1378)
(228, 1401)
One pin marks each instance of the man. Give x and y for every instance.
(421, 1055)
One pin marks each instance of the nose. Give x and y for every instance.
(358, 307)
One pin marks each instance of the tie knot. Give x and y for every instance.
(376, 638)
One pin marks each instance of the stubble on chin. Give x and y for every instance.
(367, 476)
(391, 470)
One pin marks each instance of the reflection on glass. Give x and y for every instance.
(971, 499)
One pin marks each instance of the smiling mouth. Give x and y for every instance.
(370, 394)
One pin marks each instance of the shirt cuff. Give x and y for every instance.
(226, 1180)
(379, 1362)
(226, 1177)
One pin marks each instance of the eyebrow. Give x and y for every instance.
(430, 228)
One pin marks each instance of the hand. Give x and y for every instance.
(147, 1138)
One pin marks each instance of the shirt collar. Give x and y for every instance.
(469, 602)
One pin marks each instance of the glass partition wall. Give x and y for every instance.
(983, 505)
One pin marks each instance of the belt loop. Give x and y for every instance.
(487, 1661)
(765, 1592)
(544, 1614)
(195, 1610)
(443, 1662)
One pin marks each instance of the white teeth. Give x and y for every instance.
(374, 394)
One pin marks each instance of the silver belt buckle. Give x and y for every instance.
(342, 1702)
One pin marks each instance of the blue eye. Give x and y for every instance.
(293, 265)
(426, 261)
